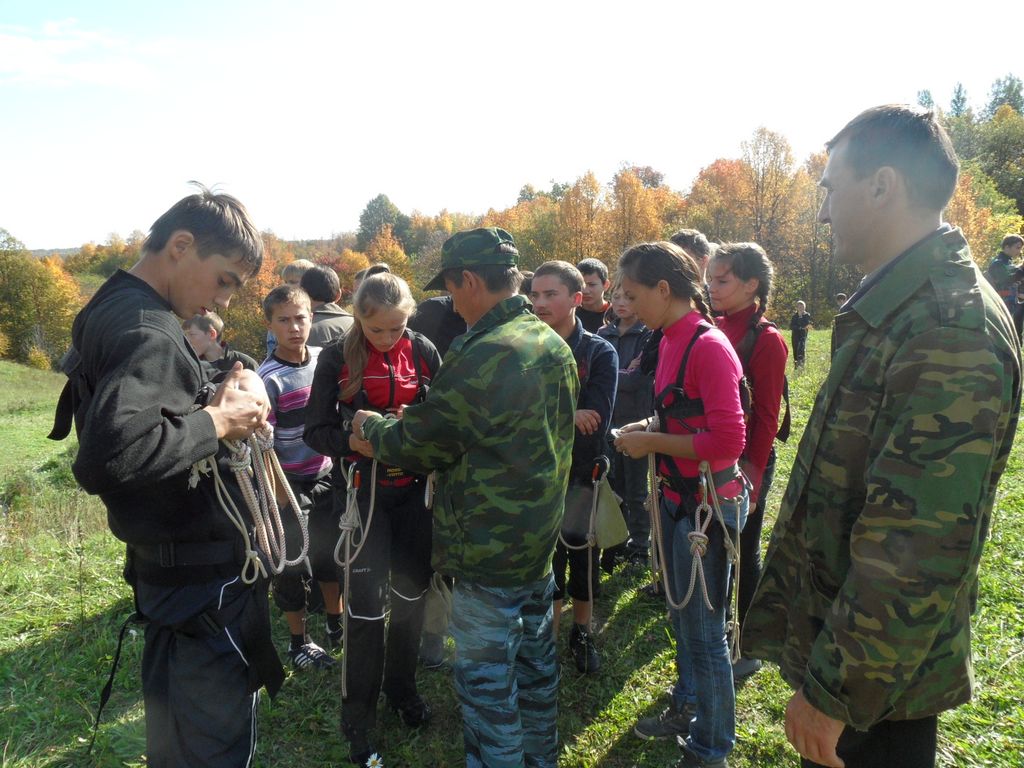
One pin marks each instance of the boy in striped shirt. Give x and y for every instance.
(288, 375)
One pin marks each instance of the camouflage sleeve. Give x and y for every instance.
(938, 444)
(435, 433)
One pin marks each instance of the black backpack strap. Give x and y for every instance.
(745, 352)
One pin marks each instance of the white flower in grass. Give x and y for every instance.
(375, 761)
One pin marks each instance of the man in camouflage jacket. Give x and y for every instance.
(497, 427)
(871, 574)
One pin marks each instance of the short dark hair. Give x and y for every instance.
(205, 323)
(282, 295)
(909, 139)
(593, 267)
(498, 278)
(693, 242)
(1012, 240)
(321, 283)
(218, 222)
(571, 277)
(524, 286)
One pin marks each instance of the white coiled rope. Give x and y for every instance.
(255, 457)
(698, 540)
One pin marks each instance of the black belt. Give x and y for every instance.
(691, 485)
(176, 563)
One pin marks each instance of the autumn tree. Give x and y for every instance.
(38, 302)
(633, 214)
(534, 226)
(768, 162)
(983, 213)
(1007, 91)
(579, 218)
(1002, 152)
(712, 205)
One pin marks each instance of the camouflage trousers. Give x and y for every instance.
(506, 675)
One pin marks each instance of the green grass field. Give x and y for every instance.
(63, 600)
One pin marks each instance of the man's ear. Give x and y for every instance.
(884, 183)
(179, 243)
(577, 299)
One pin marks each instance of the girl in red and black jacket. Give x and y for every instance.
(740, 283)
(379, 365)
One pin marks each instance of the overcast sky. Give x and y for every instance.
(306, 110)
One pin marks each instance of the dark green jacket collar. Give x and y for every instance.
(945, 250)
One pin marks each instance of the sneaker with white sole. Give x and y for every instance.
(310, 655)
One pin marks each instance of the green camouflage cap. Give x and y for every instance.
(472, 248)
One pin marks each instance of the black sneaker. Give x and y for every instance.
(612, 558)
(415, 712)
(669, 724)
(360, 749)
(310, 656)
(691, 760)
(334, 639)
(744, 668)
(584, 652)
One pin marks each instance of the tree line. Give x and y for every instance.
(762, 194)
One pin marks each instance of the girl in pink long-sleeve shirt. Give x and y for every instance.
(663, 285)
(740, 283)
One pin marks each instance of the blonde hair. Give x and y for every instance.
(382, 291)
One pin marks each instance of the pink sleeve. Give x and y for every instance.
(717, 373)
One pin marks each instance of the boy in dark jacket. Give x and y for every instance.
(556, 292)
(147, 417)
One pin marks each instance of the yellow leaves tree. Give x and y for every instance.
(580, 218)
(712, 205)
(38, 302)
(983, 213)
(634, 214)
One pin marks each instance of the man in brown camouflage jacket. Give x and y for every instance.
(872, 572)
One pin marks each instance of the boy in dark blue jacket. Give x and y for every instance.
(556, 292)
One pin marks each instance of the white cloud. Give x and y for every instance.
(63, 54)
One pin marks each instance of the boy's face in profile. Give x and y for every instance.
(552, 301)
(290, 323)
(197, 285)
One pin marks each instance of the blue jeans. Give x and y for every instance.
(704, 672)
(506, 676)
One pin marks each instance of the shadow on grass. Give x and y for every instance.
(51, 689)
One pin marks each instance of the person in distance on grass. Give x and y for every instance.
(799, 324)
(497, 426)
(146, 414)
(872, 571)
(288, 376)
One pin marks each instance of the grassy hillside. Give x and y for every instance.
(63, 601)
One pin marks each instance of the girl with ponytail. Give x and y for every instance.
(740, 284)
(379, 365)
(700, 419)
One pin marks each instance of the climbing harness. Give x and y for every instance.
(256, 457)
(708, 509)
